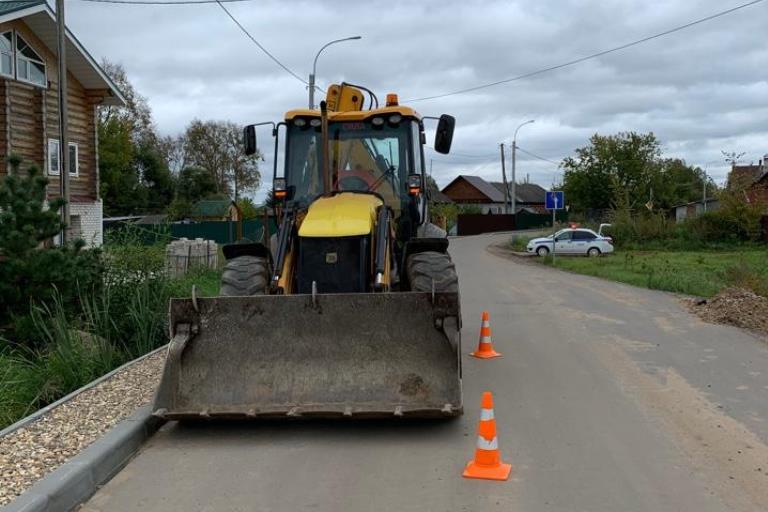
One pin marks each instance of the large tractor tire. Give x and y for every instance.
(424, 268)
(245, 276)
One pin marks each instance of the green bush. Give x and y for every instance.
(31, 274)
(735, 222)
(73, 314)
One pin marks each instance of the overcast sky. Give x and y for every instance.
(701, 90)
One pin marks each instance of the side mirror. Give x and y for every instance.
(444, 134)
(249, 139)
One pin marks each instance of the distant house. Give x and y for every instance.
(751, 181)
(489, 197)
(475, 191)
(436, 196)
(528, 196)
(695, 208)
(29, 117)
(215, 210)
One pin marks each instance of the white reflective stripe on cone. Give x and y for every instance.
(484, 444)
(485, 339)
(486, 323)
(486, 414)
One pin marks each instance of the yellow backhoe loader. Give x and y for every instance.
(352, 308)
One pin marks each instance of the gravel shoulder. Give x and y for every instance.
(733, 306)
(36, 449)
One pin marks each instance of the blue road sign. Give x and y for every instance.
(554, 200)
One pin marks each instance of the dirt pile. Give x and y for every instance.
(734, 306)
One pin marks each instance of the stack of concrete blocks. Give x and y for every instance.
(181, 255)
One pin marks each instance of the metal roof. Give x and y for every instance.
(42, 21)
(7, 7)
(525, 192)
(212, 208)
(482, 186)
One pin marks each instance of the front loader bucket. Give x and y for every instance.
(366, 355)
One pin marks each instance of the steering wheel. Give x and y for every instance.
(354, 183)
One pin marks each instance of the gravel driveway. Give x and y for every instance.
(28, 454)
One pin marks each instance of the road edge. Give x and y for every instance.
(79, 478)
(26, 420)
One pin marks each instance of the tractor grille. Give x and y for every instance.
(337, 265)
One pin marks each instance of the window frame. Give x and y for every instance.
(75, 145)
(582, 235)
(12, 55)
(29, 61)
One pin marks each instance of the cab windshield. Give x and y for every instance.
(363, 157)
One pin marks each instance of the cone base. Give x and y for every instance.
(500, 472)
(490, 354)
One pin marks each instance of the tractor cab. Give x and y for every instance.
(378, 150)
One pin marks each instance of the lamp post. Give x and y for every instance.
(514, 151)
(314, 67)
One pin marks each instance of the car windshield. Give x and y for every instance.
(363, 157)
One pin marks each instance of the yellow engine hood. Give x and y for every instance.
(345, 214)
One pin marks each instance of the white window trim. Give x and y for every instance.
(12, 55)
(77, 158)
(18, 55)
(51, 151)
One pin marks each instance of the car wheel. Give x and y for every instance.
(593, 252)
(542, 251)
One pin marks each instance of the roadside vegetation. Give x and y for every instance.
(700, 256)
(70, 314)
(702, 273)
(626, 178)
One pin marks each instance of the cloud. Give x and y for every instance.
(701, 91)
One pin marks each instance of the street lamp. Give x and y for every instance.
(314, 67)
(514, 151)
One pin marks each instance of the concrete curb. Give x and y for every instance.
(41, 412)
(79, 478)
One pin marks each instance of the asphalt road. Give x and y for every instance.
(608, 398)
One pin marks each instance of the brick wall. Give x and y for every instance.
(87, 218)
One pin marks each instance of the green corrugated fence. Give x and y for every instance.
(222, 232)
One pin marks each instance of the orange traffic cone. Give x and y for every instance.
(485, 346)
(487, 463)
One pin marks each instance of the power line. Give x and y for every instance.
(592, 56)
(534, 155)
(253, 39)
(159, 2)
(466, 155)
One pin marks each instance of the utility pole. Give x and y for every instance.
(504, 180)
(63, 118)
(704, 199)
(514, 178)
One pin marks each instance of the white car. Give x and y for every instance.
(572, 241)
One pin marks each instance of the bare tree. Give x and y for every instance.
(218, 147)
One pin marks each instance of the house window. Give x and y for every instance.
(30, 67)
(6, 54)
(54, 165)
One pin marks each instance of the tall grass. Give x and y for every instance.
(124, 318)
(702, 273)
